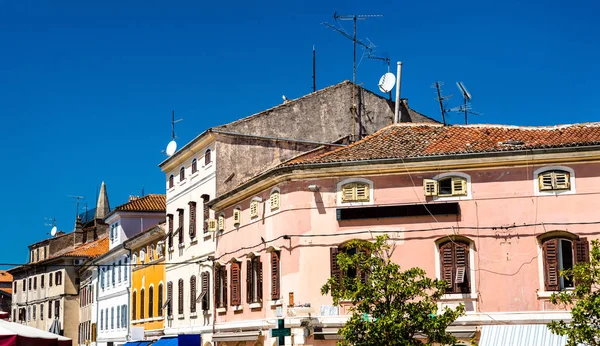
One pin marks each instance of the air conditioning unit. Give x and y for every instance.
(212, 225)
(78, 261)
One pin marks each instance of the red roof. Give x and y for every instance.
(5, 276)
(93, 249)
(148, 203)
(406, 140)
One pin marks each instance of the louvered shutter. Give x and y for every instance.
(581, 247)
(218, 277)
(551, 269)
(275, 295)
(253, 209)
(180, 228)
(459, 186)
(170, 237)
(235, 284)
(221, 223)
(274, 200)
(447, 265)
(225, 296)
(362, 192)
(237, 217)
(561, 180)
(545, 181)
(193, 296)
(192, 227)
(335, 267)
(259, 284)
(170, 298)
(249, 287)
(205, 212)
(348, 192)
(430, 187)
(462, 265)
(180, 297)
(206, 299)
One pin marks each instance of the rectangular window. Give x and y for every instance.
(236, 296)
(274, 200)
(275, 281)
(101, 319)
(180, 228)
(254, 281)
(169, 302)
(192, 229)
(355, 192)
(24, 285)
(119, 266)
(58, 278)
(205, 212)
(35, 284)
(562, 254)
(170, 235)
(57, 309)
(253, 209)
(555, 180)
(41, 311)
(50, 309)
(221, 286)
(49, 280)
(180, 298)
(34, 307)
(205, 298)
(42, 280)
(118, 318)
(29, 284)
(106, 318)
(160, 300)
(112, 318)
(454, 266)
(124, 316)
(112, 274)
(125, 269)
(193, 296)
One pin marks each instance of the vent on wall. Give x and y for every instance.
(407, 210)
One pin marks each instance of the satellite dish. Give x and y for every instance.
(53, 231)
(171, 148)
(387, 82)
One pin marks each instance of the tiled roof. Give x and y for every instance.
(5, 276)
(93, 249)
(6, 289)
(418, 140)
(152, 202)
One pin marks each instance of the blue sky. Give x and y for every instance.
(87, 88)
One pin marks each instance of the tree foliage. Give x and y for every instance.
(584, 300)
(389, 306)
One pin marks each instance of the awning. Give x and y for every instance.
(237, 336)
(137, 343)
(326, 334)
(188, 339)
(166, 341)
(520, 335)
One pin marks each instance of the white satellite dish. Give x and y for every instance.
(53, 231)
(387, 82)
(171, 148)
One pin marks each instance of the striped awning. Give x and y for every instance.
(520, 335)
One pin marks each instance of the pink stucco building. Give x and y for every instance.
(495, 210)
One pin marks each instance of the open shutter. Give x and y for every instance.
(459, 186)
(462, 266)
(275, 276)
(430, 187)
(218, 276)
(169, 299)
(206, 299)
(581, 247)
(447, 265)
(259, 284)
(336, 272)
(225, 296)
(249, 281)
(561, 180)
(362, 192)
(551, 270)
(180, 297)
(348, 192)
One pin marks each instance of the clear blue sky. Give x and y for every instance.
(87, 88)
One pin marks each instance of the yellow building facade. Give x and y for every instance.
(148, 286)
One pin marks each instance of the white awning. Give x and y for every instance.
(236, 336)
(520, 335)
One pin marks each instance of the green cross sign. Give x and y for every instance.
(281, 332)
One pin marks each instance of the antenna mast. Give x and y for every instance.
(353, 18)
(173, 121)
(314, 69)
(441, 99)
(77, 199)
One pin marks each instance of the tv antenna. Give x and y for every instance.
(441, 99)
(77, 199)
(354, 18)
(53, 225)
(466, 106)
(172, 146)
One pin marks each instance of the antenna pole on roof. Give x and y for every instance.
(440, 98)
(314, 69)
(77, 199)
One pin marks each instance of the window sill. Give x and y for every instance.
(171, 249)
(180, 316)
(193, 315)
(182, 245)
(208, 166)
(237, 308)
(182, 182)
(221, 310)
(207, 236)
(194, 175)
(255, 305)
(278, 302)
(170, 318)
(547, 294)
(194, 241)
(459, 296)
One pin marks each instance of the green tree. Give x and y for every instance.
(584, 300)
(389, 306)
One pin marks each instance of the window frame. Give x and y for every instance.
(473, 282)
(182, 174)
(580, 248)
(541, 170)
(207, 157)
(274, 205)
(339, 193)
(449, 197)
(254, 280)
(194, 165)
(171, 181)
(221, 282)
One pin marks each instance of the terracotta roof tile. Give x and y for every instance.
(93, 249)
(417, 140)
(5, 276)
(152, 202)
(6, 289)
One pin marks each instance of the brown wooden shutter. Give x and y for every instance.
(447, 265)
(193, 296)
(225, 296)
(207, 157)
(205, 283)
(134, 306)
(218, 276)
(581, 247)
(180, 297)
(259, 284)
(170, 236)
(335, 267)
(235, 284)
(275, 295)
(192, 219)
(142, 298)
(205, 212)
(170, 298)
(180, 228)
(249, 288)
(461, 252)
(551, 269)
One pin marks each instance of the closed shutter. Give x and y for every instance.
(180, 297)
(551, 269)
(224, 273)
(459, 186)
(205, 286)
(447, 265)
(362, 192)
(581, 247)
(170, 236)
(274, 200)
(193, 296)
(180, 227)
(237, 217)
(192, 219)
(142, 304)
(94, 332)
(170, 298)
(249, 288)
(235, 284)
(336, 272)
(205, 213)
(545, 181)
(259, 284)
(221, 222)
(275, 295)
(562, 180)
(134, 306)
(218, 277)
(253, 209)
(348, 192)
(430, 187)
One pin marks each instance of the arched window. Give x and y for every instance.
(355, 192)
(194, 166)
(220, 286)
(151, 302)
(554, 180)
(160, 299)
(455, 185)
(171, 183)
(142, 302)
(455, 266)
(182, 174)
(562, 251)
(207, 157)
(134, 306)
(193, 294)
(274, 200)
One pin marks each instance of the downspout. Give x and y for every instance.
(130, 280)
(96, 295)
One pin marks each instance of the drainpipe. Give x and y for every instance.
(397, 115)
(96, 295)
(129, 281)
